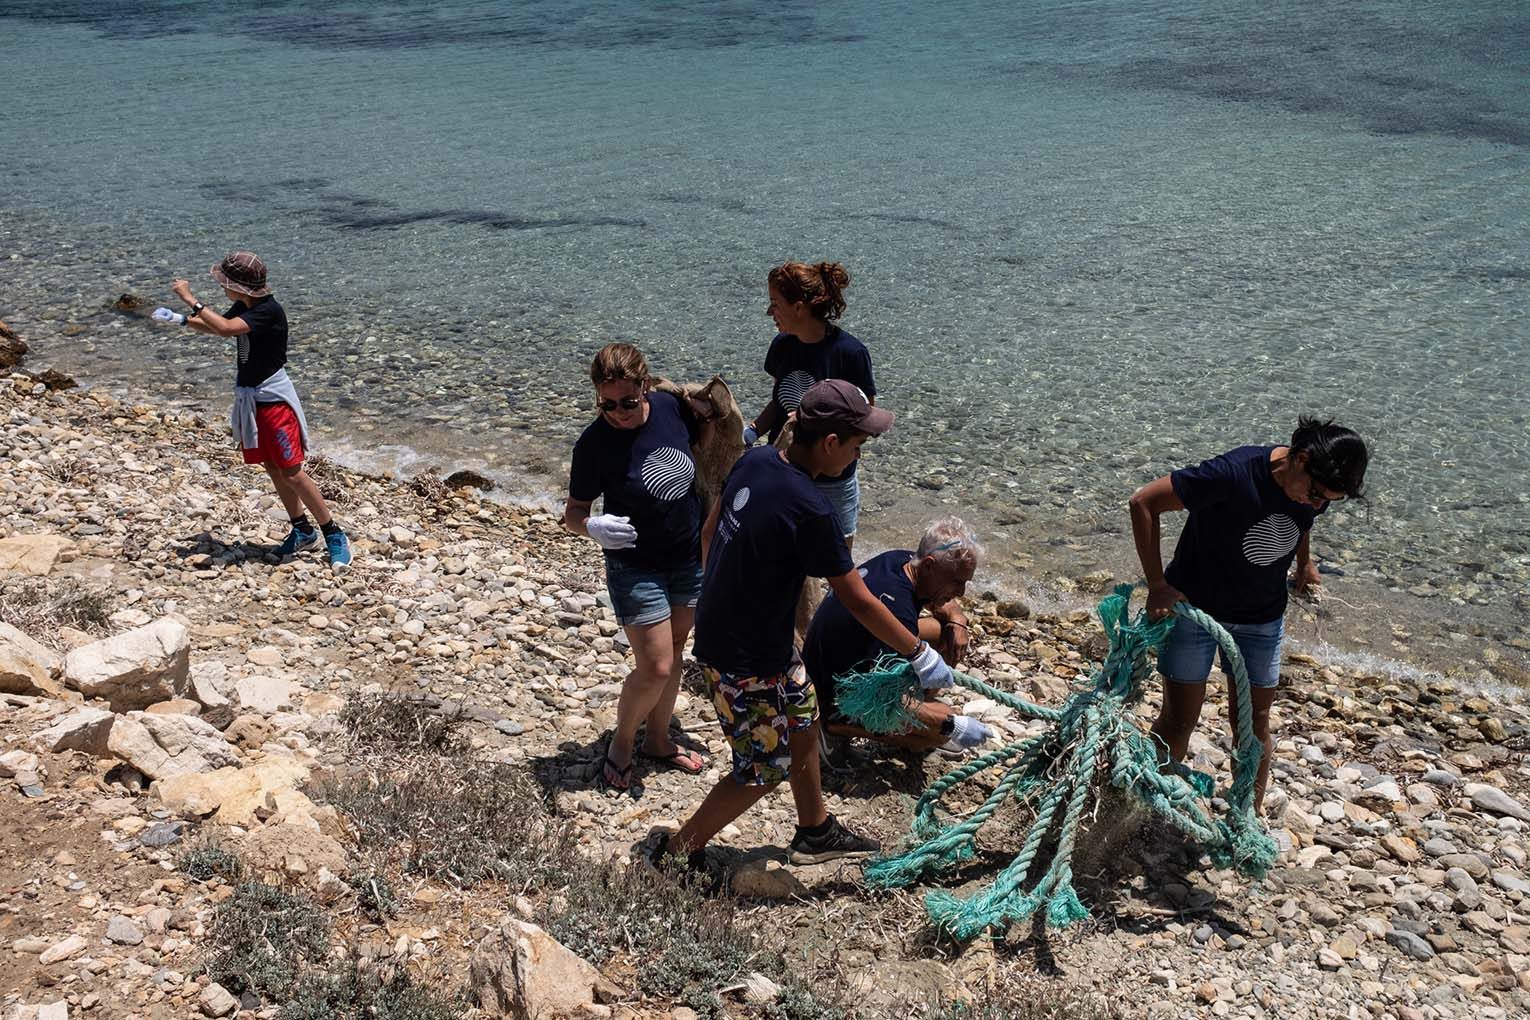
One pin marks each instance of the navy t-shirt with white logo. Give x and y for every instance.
(796, 366)
(1240, 538)
(774, 530)
(263, 350)
(836, 642)
(645, 474)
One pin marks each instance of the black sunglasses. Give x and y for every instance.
(626, 404)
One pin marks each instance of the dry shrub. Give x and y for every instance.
(328, 476)
(403, 722)
(39, 606)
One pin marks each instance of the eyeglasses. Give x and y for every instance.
(626, 404)
(1316, 493)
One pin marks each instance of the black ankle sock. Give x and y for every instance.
(330, 529)
(817, 830)
(302, 523)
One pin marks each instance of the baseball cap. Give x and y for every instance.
(835, 403)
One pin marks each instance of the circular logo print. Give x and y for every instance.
(1270, 540)
(793, 387)
(740, 498)
(667, 473)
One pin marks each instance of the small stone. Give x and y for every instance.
(1206, 992)
(162, 834)
(216, 1001)
(760, 990)
(123, 932)
(1410, 945)
(70, 946)
(318, 621)
(509, 727)
(1495, 801)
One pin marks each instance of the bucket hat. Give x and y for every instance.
(243, 273)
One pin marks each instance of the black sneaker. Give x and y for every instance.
(692, 870)
(833, 751)
(830, 845)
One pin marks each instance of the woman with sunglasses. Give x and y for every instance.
(1251, 515)
(637, 454)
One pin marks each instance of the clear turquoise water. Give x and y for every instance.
(1089, 241)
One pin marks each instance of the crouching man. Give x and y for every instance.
(908, 582)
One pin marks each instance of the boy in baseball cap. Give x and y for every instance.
(770, 530)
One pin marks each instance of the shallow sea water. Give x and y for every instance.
(1089, 242)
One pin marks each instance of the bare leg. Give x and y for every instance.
(924, 736)
(308, 493)
(656, 739)
(1177, 718)
(726, 801)
(806, 780)
(1260, 700)
(292, 502)
(646, 688)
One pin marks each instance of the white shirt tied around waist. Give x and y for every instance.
(276, 389)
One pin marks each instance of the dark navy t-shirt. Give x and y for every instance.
(1240, 538)
(837, 643)
(645, 474)
(263, 350)
(796, 366)
(775, 529)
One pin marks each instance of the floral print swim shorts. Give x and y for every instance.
(757, 714)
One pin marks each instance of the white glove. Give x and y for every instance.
(932, 669)
(968, 732)
(751, 435)
(166, 315)
(611, 532)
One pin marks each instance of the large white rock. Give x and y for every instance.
(206, 690)
(26, 667)
(169, 745)
(231, 795)
(522, 972)
(266, 695)
(133, 669)
(84, 729)
(34, 554)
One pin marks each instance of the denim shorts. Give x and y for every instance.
(642, 595)
(845, 497)
(1187, 652)
(758, 715)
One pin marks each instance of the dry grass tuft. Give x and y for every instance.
(39, 606)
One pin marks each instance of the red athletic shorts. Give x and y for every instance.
(280, 436)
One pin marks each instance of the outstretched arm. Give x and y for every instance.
(208, 321)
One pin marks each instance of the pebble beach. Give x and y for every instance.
(203, 689)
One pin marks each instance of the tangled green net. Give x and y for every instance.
(1092, 744)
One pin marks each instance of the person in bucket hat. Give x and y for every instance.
(267, 416)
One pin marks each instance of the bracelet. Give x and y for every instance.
(956, 623)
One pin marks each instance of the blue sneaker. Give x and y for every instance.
(297, 539)
(339, 550)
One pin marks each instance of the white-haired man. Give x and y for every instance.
(931, 578)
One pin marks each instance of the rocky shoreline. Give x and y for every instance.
(170, 687)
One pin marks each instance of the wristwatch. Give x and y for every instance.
(196, 309)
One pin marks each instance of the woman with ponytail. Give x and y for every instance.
(805, 301)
